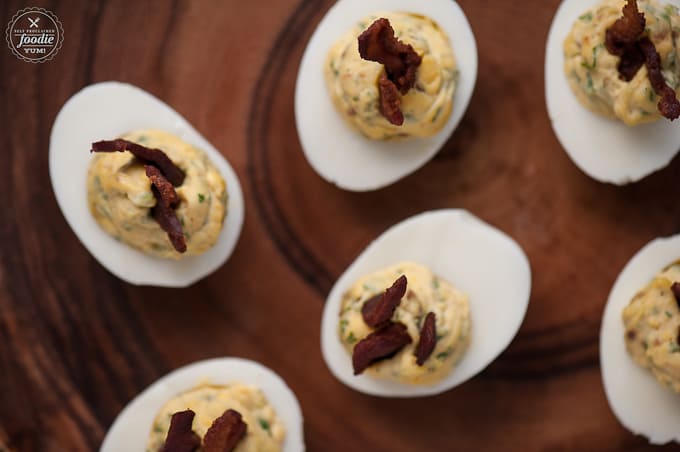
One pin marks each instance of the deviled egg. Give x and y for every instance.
(354, 88)
(103, 198)
(209, 388)
(121, 197)
(434, 317)
(639, 350)
(601, 120)
(343, 133)
(449, 256)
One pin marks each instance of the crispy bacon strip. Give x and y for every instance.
(163, 212)
(381, 344)
(428, 339)
(378, 311)
(370, 305)
(668, 104)
(163, 185)
(225, 432)
(164, 176)
(630, 63)
(389, 101)
(181, 438)
(626, 30)
(378, 43)
(146, 155)
(625, 39)
(622, 37)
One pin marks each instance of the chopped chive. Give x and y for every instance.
(263, 423)
(443, 355)
(201, 197)
(436, 114)
(589, 80)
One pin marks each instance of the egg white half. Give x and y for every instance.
(105, 111)
(130, 431)
(605, 149)
(640, 403)
(475, 257)
(342, 155)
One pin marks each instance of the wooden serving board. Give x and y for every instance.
(76, 344)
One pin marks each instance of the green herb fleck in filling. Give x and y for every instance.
(343, 326)
(587, 17)
(592, 66)
(443, 355)
(436, 114)
(264, 424)
(589, 82)
(158, 247)
(333, 69)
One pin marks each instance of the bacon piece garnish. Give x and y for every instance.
(668, 104)
(162, 184)
(621, 40)
(164, 176)
(378, 311)
(381, 344)
(181, 438)
(428, 339)
(225, 432)
(625, 39)
(378, 43)
(155, 157)
(389, 101)
(163, 212)
(675, 288)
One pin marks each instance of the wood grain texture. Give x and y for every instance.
(77, 344)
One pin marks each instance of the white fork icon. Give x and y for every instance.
(34, 22)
